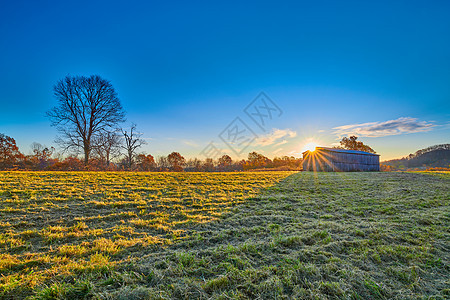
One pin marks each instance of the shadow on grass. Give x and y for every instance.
(309, 236)
(323, 235)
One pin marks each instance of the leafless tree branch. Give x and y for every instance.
(133, 141)
(87, 108)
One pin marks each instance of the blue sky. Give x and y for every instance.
(185, 70)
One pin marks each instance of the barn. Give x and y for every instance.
(340, 160)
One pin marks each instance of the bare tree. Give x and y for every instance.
(193, 165)
(107, 146)
(40, 151)
(133, 141)
(87, 108)
(163, 163)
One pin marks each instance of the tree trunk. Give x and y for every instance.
(86, 154)
(130, 161)
(107, 158)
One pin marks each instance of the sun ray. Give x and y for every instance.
(310, 146)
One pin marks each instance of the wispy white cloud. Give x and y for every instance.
(380, 129)
(281, 143)
(190, 143)
(278, 150)
(276, 134)
(293, 152)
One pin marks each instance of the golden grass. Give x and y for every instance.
(55, 226)
(258, 235)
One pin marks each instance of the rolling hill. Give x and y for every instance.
(434, 156)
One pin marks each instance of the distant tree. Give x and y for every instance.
(193, 165)
(107, 146)
(287, 161)
(41, 156)
(176, 161)
(162, 163)
(197, 163)
(444, 147)
(208, 165)
(386, 168)
(433, 156)
(70, 163)
(145, 162)
(133, 140)
(281, 161)
(256, 160)
(98, 164)
(9, 152)
(41, 152)
(225, 163)
(225, 160)
(239, 166)
(87, 108)
(351, 143)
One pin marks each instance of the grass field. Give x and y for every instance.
(224, 235)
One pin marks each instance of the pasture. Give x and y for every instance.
(81, 235)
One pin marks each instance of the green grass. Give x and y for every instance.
(224, 235)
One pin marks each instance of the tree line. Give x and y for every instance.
(437, 156)
(44, 158)
(88, 118)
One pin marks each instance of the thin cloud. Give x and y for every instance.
(226, 151)
(281, 143)
(276, 134)
(293, 152)
(190, 143)
(278, 150)
(380, 129)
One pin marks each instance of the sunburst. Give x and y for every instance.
(311, 146)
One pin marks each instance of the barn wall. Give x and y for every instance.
(328, 161)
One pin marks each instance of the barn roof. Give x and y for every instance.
(343, 151)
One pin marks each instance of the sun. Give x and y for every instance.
(311, 146)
